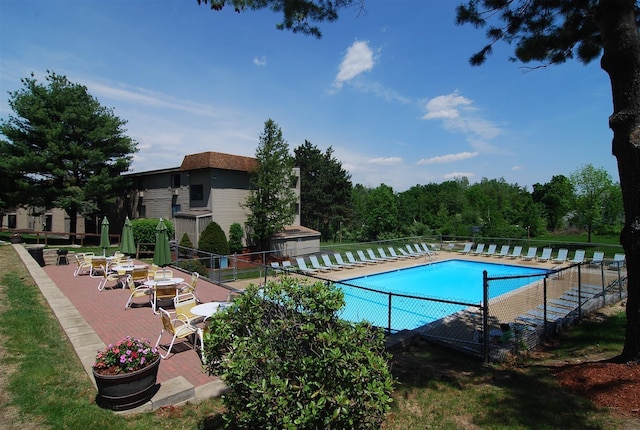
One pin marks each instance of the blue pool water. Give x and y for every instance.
(452, 280)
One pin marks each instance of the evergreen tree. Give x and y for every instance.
(272, 201)
(325, 189)
(64, 149)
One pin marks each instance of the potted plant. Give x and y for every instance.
(125, 373)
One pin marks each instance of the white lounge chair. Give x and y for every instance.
(466, 249)
(316, 264)
(412, 252)
(407, 254)
(578, 257)
(597, 259)
(479, 249)
(343, 263)
(517, 250)
(327, 262)
(353, 260)
(302, 266)
(504, 251)
(430, 247)
(546, 255)
(561, 257)
(531, 254)
(618, 261)
(364, 259)
(491, 250)
(374, 257)
(393, 253)
(384, 255)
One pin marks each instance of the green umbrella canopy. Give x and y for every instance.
(127, 244)
(104, 235)
(162, 254)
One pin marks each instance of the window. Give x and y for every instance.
(175, 181)
(175, 208)
(294, 181)
(196, 192)
(12, 221)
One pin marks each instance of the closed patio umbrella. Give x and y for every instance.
(104, 235)
(161, 254)
(127, 244)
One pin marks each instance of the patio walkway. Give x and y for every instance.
(92, 319)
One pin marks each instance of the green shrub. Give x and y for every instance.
(186, 241)
(193, 265)
(213, 240)
(235, 238)
(144, 229)
(291, 363)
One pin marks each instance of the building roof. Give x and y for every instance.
(218, 160)
(291, 231)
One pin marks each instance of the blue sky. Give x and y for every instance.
(389, 88)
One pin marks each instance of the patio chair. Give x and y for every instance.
(178, 328)
(287, 266)
(190, 287)
(183, 303)
(561, 257)
(466, 249)
(384, 255)
(343, 263)
(316, 264)
(374, 257)
(364, 259)
(578, 257)
(597, 259)
(618, 261)
(546, 255)
(327, 262)
(531, 254)
(424, 250)
(504, 251)
(82, 266)
(276, 267)
(140, 275)
(430, 247)
(98, 265)
(406, 253)
(110, 276)
(479, 249)
(353, 260)
(517, 250)
(163, 274)
(393, 253)
(302, 266)
(136, 291)
(491, 250)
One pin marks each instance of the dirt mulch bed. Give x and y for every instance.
(607, 384)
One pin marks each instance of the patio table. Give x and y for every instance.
(163, 289)
(208, 309)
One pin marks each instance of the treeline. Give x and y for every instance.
(588, 200)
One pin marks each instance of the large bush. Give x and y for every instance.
(235, 238)
(213, 240)
(291, 363)
(144, 229)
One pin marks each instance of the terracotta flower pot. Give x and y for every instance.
(127, 390)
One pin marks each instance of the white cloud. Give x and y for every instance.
(357, 60)
(262, 61)
(449, 158)
(517, 168)
(385, 161)
(458, 114)
(454, 175)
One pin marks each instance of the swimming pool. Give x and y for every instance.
(457, 281)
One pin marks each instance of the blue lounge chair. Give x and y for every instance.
(353, 260)
(504, 251)
(531, 254)
(364, 259)
(517, 250)
(479, 249)
(384, 255)
(302, 266)
(597, 259)
(393, 253)
(561, 257)
(466, 249)
(491, 250)
(578, 257)
(618, 261)
(546, 255)
(343, 263)
(374, 257)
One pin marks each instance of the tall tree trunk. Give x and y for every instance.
(621, 60)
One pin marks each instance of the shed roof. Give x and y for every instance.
(218, 160)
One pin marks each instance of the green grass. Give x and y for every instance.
(437, 389)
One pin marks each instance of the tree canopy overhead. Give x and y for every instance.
(64, 149)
